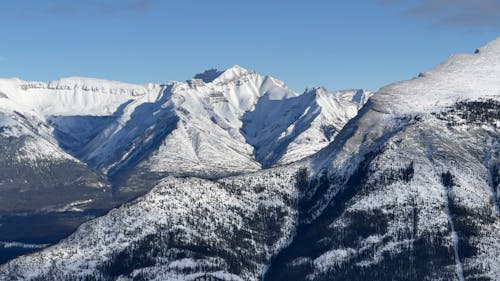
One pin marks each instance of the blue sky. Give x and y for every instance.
(336, 44)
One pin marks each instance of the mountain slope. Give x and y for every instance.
(35, 170)
(201, 127)
(406, 191)
(308, 123)
(412, 189)
(184, 229)
(75, 147)
(215, 125)
(41, 186)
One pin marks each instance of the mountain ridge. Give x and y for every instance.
(121, 100)
(114, 141)
(401, 193)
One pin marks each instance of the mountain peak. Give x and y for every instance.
(232, 73)
(217, 75)
(493, 46)
(237, 68)
(315, 90)
(460, 77)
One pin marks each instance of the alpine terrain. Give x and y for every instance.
(74, 148)
(406, 188)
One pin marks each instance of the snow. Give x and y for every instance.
(22, 245)
(301, 129)
(445, 84)
(231, 74)
(75, 96)
(217, 127)
(75, 206)
(196, 211)
(37, 140)
(333, 258)
(230, 119)
(399, 126)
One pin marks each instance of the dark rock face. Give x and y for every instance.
(208, 75)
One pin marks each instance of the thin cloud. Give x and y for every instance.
(64, 7)
(464, 13)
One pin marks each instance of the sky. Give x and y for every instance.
(342, 44)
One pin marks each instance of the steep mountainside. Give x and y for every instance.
(75, 147)
(408, 190)
(37, 176)
(411, 189)
(183, 229)
(33, 166)
(209, 127)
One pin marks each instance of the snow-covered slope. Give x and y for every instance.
(307, 123)
(37, 177)
(41, 124)
(74, 96)
(184, 229)
(210, 127)
(408, 190)
(412, 184)
(80, 145)
(34, 169)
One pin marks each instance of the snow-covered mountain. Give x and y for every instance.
(219, 124)
(412, 184)
(408, 190)
(184, 229)
(86, 145)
